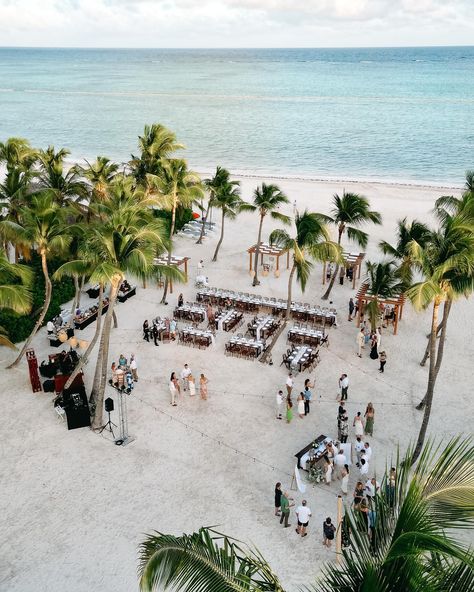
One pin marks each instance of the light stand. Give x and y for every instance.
(108, 426)
(124, 438)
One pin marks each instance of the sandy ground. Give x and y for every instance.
(75, 506)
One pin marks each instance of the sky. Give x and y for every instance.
(235, 23)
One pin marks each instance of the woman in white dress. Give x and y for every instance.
(345, 479)
(192, 385)
(301, 405)
(174, 388)
(328, 471)
(358, 424)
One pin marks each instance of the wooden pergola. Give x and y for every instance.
(270, 251)
(353, 260)
(174, 262)
(396, 301)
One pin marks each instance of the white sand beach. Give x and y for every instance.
(75, 506)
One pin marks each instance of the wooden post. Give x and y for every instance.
(359, 300)
(250, 260)
(339, 530)
(395, 324)
(278, 263)
(324, 273)
(171, 286)
(354, 271)
(402, 302)
(186, 269)
(261, 258)
(360, 265)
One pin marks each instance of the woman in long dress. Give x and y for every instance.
(328, 468)
(345, 479)
(358, 424)
(174, 388)
(192, 385)
(373, 347)
(369, 419)
(289, 410)
(203, 387)
(301, 405)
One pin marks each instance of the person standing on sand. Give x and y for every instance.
(285, 508)
(289, 384)
(343, 429)
(134, 367)
(344, 386)
(146, 331)
(369, 419)
(358, 424)
(308, 395)
(373, 347)
(328, 532)
(383, 361)
(174, 388)
(301, 406)
(185, 374)
(279, 403)
(192, 385)
(154, 333)
(328, 469)
(351, 309)
(360, 340)
(278, 494)
(345, 480)
(303, 514)
(203, 387)
(289, 409)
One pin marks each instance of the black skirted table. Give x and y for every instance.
(86, 321)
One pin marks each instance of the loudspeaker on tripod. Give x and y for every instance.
(109, 404)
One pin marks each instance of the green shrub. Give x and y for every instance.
(183, 216)
(18, 327)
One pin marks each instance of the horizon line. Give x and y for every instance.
(234, 48)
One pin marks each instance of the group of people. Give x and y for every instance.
(303, 401)
(283, 503)
(168, 325)
(374, 339)
(125, 372)
(188, 383)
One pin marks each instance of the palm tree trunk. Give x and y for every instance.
(325, 296)
(221, 237)
(85, 358)
(97, 374)
(76, 294)
(81, 287)
(276, 335)
(446, 309)
(203, 223)
(44, 310)
(114, 316)
(173, 222)
(99, 399)
(255, 281)
(431, 381)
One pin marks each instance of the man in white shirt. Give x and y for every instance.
(185, 374)
(358, 447)
(289, 384)
(134, 367)
(279, 403)
(339, 462)
(367, 451)
(364, 467)
(50, 327)
(344, 386)
(303, 513)
(371, 487)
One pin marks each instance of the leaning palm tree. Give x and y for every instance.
(43, 229)
(411, 547)
(213, 185)
(174, 186)
(406, 232)
(17, 153)
(447, 266)
(15, 293)
(267, 199)
(384, 282)
(156, 145)
(229, 202)
(311, 243)
(349, 213)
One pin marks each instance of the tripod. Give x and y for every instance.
(108, 426)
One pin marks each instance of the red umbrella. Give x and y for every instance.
(196, 215)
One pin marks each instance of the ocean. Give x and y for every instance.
(398, 114)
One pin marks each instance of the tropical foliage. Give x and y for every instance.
(384, 282)
(411, 546)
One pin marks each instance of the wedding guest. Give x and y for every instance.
(173, 329)
(379, 337)
(285, 508)
(180, 300)
(289, 409)
(146, 331)
(369, 419)
(345, 479)
(203, 382)
(155, 335)
(358, 447)
(279, 403)
(301, 405)
(328, 469)
(278, 494)
(185, 373)
(289, 384)
(373, 347)
(174, 388)
(328, 529)
(344, 386)
(351, 309)
(343, 429)
(303, 514)
(383, 361)
(134, 367)
(358, 424)
(360, 340)
(364, 467)
(339, 462)
(192, 385)
(307, 399)
(122, 360)
(358, 493)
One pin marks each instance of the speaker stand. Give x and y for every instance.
(108, 426)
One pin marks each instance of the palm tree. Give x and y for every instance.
(65, 185)
(17, 152)
(410, 548)
(384, 282)
(124, 238)
(14, 296)
(447, 265)
(175, 186)
(349, 212)
(229, 202)
(311, 242)
(213, 185)
(99, 174)
(156, 145)
(267, 199)
(406, 232)
(42, 228)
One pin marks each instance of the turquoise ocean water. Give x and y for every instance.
(398, 114)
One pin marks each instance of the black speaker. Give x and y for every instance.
(48, 386)
(109, 404)
(77, 417)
